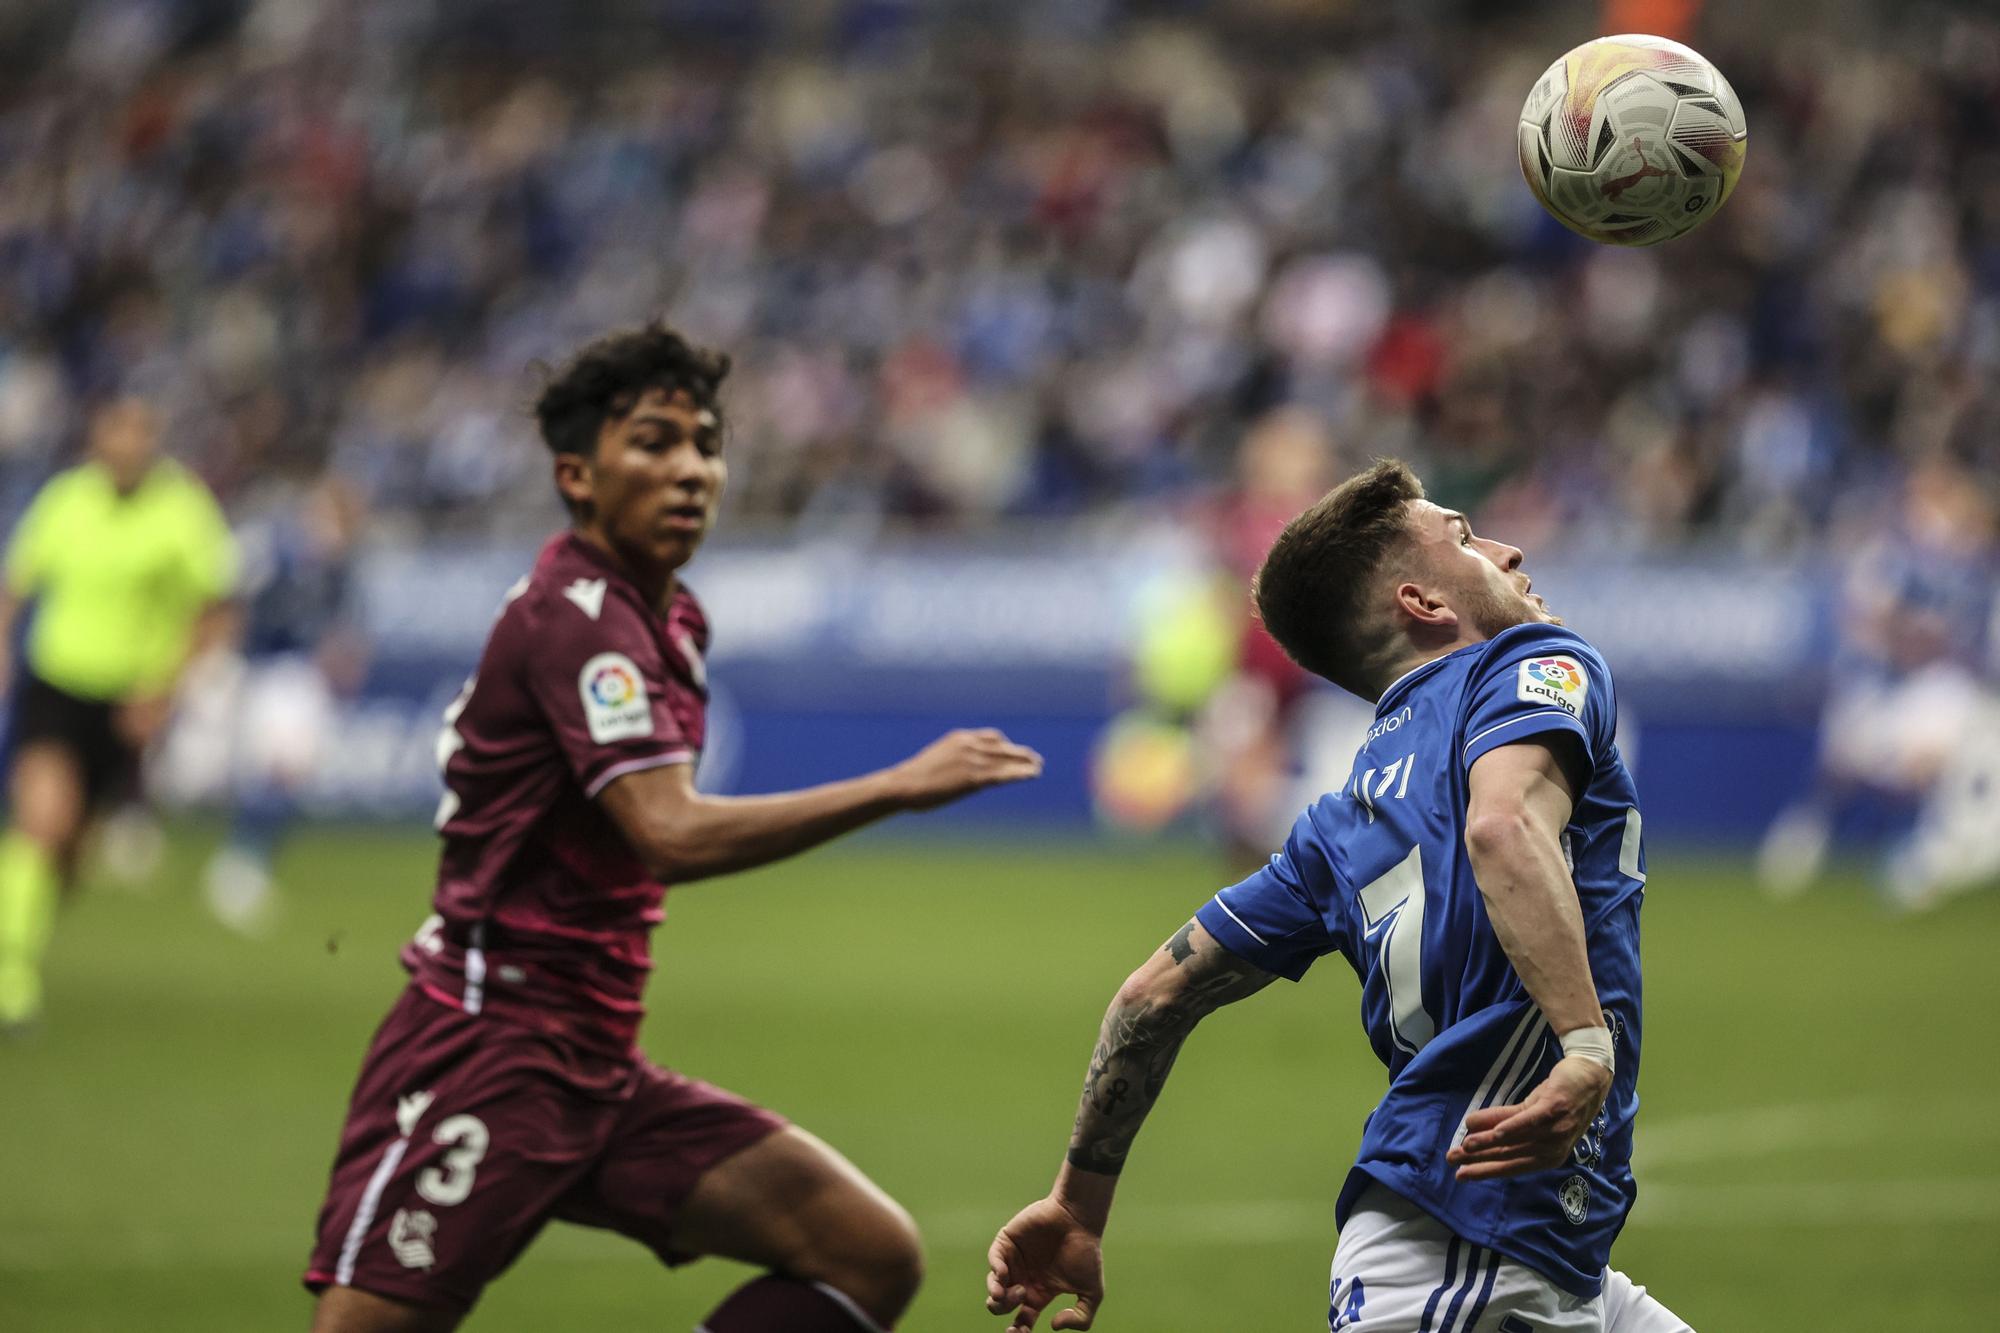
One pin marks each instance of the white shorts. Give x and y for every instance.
(244, 727)
(1896, 735)
(1398, 1270)
(286, 717)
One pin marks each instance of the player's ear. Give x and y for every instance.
(575, 481)
(1424, 606)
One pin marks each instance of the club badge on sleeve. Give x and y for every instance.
(615, 705)
(1557, 681)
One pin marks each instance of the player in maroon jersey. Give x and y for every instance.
(504, 1088)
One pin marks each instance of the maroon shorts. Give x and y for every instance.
(467, 1134)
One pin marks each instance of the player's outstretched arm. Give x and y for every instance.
(683, 834)
(1519, 801)
(1054, 1244)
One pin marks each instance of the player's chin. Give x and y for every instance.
(676, 546)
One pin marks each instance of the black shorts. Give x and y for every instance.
(86, 728)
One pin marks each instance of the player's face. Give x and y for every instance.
(655, 481)
(125, 439)
(1480, 578)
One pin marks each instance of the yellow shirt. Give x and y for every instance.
(119, 580)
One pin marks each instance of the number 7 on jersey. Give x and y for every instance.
(1393, 907)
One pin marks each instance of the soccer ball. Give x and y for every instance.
(1632, 140)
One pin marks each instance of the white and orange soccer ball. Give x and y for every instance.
(1632, 140)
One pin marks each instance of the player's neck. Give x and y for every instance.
(1415, 656)
(125, 483)
(655, 583)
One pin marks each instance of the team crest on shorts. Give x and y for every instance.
(1557, 681)
(410, 1233)
(1574, 1196)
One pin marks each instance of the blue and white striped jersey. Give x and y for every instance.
(1378, 873)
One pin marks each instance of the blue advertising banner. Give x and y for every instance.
(831, 661)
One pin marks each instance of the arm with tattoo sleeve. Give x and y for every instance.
(1189, 978)
(1054, 1245)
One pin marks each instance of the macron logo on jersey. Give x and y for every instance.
(410, 1109)
(615, 705)
(1556, 681)
(588, 594)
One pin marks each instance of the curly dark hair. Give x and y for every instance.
(1314, 587)
(603, 380)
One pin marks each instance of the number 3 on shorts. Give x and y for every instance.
(447, 1186)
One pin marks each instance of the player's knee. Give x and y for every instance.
(876, 1259)
(48, 801)
(898, 1258)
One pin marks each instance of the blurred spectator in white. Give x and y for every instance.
(1912, 708)
(256, 721)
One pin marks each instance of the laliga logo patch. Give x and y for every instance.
(612, 685)
(1558, 681)
(1559, 672)
(615, 706)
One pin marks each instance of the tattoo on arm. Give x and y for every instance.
(1140, 1039)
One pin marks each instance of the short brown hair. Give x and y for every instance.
(1312, 591)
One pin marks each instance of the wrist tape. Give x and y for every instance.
(1591, 1044)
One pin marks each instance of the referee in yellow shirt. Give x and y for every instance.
(128, 562)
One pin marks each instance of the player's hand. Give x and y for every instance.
(1045, 1251)
(960, 763)
(1537, 1133)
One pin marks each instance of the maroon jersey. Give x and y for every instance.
(543, 911)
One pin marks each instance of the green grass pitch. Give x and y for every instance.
(1818, 1078)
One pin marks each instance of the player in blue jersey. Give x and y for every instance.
(1481, 871)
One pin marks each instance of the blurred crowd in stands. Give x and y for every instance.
(981, 262)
